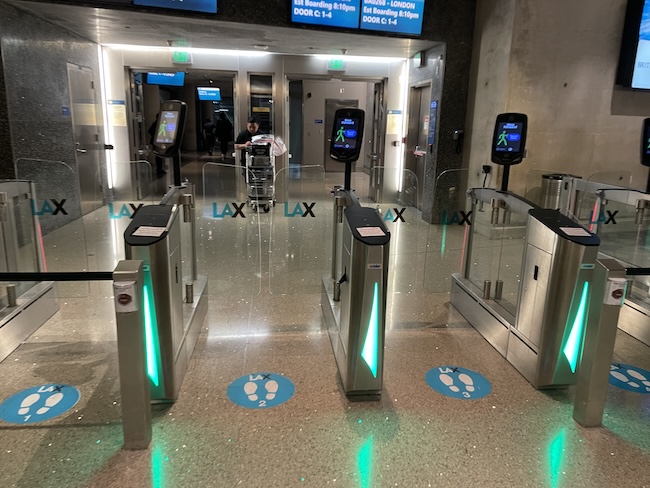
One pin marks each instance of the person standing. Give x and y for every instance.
(245, 137)
(223, 131)
(209, 135)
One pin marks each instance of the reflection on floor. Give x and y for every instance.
(264, 316)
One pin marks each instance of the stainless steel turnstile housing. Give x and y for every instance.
(356, 323)
(553, 298)
(154, 237)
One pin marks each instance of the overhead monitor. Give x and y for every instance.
(509, 139)
(208, 6)
(168, 79)
(209, 93)
(400, 17)
(634, 58)
(339, 13)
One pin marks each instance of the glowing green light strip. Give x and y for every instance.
(556, 456)
(572, 347)
(364, 464)
(369, 353)
(149, 331)
(444, 232)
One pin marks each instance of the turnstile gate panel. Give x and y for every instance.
(359, 340)
(154, 237)
(544, 344)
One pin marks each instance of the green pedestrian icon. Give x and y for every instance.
(340, 135)
(648, 144)
(502, 138)
(163, 128)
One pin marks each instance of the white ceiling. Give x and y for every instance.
(106, 26)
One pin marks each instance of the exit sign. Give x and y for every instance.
(181, 57)
(336, 65)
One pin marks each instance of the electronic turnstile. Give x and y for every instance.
(172, 323)
(559, 259)
(354, 297)
(542, 337)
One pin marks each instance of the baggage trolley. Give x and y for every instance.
(260, 176)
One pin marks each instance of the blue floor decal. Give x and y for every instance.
(457, 382)
(261, 390)
(629, 378)
(39, 403)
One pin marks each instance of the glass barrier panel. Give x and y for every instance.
(58, 205)
(19, 247)
(485, 252)
(300, 231)
(618, 178)
(444, 246)
(229, 232)
(511, 261)
(106, 225)
(402, 217)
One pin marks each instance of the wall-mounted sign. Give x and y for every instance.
(339, 13)
(401, 17)
(209, 6)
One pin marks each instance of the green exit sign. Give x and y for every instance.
(181, 57)
(336, 65)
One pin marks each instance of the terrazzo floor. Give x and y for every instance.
(264, 315)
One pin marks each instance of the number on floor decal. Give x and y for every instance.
(262, 403)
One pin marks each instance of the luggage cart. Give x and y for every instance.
(260, 175)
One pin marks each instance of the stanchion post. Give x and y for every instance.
(608, 293)
(128, 286)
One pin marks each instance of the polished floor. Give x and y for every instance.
(264, 315)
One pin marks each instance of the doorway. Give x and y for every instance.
(416, 140)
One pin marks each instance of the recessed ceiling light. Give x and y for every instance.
(260, 46)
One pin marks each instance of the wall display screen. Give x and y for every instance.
(400, 17)
(347, 133)
(641, 73)
(167, 127)
(339, 13)
(209, 93)
(169, 79)
(509, 137)
(208, 6)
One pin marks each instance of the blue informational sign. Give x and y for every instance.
(261, 390)
(403, 17)
(629, 378)
(39, 404)
(458, 382)
(433, 117)
(65, 111)
(318, 121)
(209, 93)
(209, 6)
(332, 13)
(169, 79)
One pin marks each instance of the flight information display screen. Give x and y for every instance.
(398, 16)
(339, 13)
(641, 74)
(209, 6)
(169, 79)
(402, 17)
(346, 133)
(509, 137)
(209, 93)
(167, 127)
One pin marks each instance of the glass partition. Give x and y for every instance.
(624, 231)
(445, 238)
(495, 246)
(300, 231)
(229, 233)
(19, 246)
(403, 218)
(58, 205)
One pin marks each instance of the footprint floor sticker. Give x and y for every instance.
(458, 382)
(39, 403)
(629, 378)
(261, 390)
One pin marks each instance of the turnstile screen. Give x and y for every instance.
(167, 127)
(645, 143)
(509, 139)
(347, 132)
